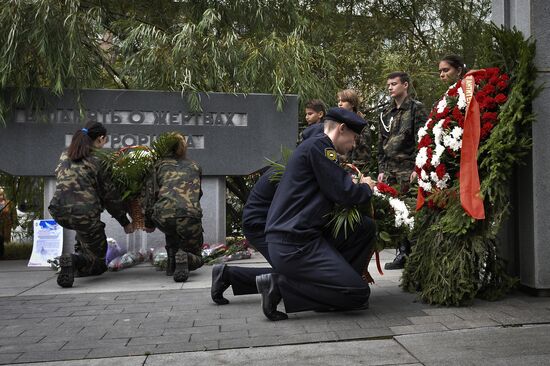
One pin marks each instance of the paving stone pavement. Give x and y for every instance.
(167, 326)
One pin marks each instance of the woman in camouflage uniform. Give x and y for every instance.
(172, 203)
(83, 189)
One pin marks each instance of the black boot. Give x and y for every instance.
(267, 287)
(220, 283)
(181, 271)
(170, 261)
(402, 253)
(195, 261)
(65, 278)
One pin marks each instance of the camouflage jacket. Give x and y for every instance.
(361, 153)
(397, 147)
(173, 189)
(84, 188)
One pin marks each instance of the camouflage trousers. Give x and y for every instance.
(91, 243)
(183, 233)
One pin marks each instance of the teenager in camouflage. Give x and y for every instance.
(398, 126)
(172, 203)
(83, 189)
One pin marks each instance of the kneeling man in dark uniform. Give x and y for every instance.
(312, 270)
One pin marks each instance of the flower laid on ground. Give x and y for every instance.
(440, 140)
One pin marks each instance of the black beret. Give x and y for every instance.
(349, 118)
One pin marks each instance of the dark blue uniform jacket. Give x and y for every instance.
(257, 205)
(313, 130)
(312, 183)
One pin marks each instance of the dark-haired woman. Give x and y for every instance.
(451, 69)
(82, 191)
(172, 203)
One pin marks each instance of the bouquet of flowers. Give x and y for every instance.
(394, 218)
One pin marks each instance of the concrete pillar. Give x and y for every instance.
(532, 213)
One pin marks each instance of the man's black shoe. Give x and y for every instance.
(181, 272)
(65, 278)
(270, 297)
(219, 284)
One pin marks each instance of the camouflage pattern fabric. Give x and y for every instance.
(361, 153)
(171, 199)
(184, 233)
(83, 188)
(397, 148)
(172, 190)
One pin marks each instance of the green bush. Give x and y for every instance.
(17, 251)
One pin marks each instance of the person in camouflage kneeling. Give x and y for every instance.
(83, 189)
(398, 127)
(172, 203)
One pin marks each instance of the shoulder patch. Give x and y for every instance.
(331, 154)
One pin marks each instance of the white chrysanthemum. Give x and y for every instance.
(421, 157)
(436, 157)
(452, 143)
(424, 176)
(376, 192)
(422, 131)
(442, 183)
(438, 131)
(401, 213)
(426, 186)
(441, 105)
(457, 132)
(433, 177)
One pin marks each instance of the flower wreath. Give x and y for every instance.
(440, 140)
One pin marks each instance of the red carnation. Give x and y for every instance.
(430, 124)
(442, 114)
(453, 92)
(489, 89)
(485, 130)
(502, 85)
(501, 98)
(504, 77)
(489, 116)
(492, 71)
(446, 122)
(384, 188)
(489, 103)
(440, 171)
(494, 80)
(425, 141)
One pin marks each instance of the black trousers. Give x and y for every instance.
(324, 273)
(243, 279)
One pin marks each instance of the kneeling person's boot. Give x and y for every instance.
(267, 287)
(170, 261)
(65, 278)
(220, 283)
(402, 253)
(195, 261)
(181, 271)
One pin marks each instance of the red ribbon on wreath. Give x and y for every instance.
(470, 197)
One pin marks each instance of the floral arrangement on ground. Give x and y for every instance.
(455, 258)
